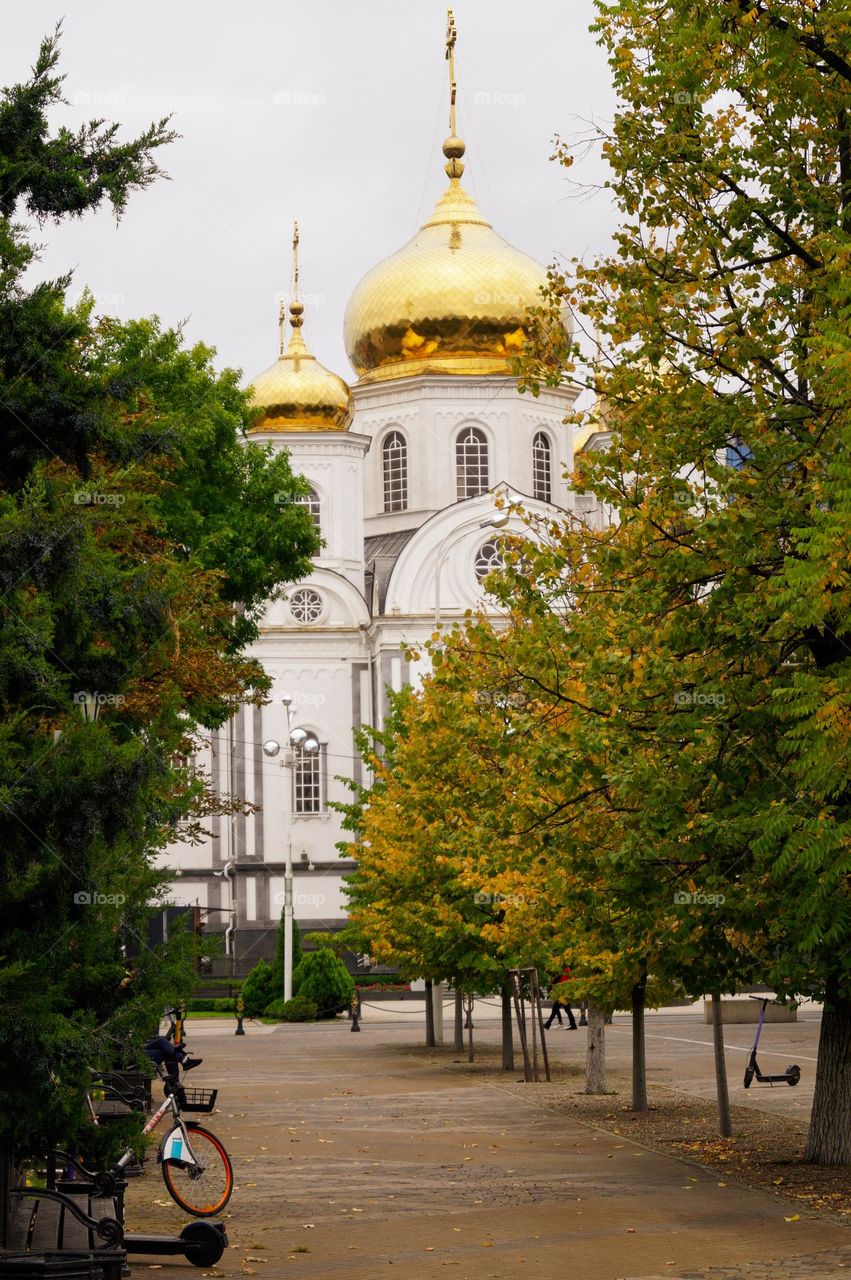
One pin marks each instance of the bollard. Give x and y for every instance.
(583, 1019)
(240, 1014)
(354, 1010)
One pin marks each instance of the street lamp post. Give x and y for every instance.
(301, 743)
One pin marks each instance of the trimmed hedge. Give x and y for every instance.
(260, 988)
(323, 978)
(211, 1004)
(299, 1009)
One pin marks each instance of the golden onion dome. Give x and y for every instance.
(455, 299)
(298, 393)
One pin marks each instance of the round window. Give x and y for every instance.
(490, 557)
(306, 605)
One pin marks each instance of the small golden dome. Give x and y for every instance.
(454, 299)
(298, 393)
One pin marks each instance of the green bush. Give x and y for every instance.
(299, 1009)
(260, 988)
(211, 1004)
(323, 978)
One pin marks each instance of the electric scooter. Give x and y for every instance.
(790, 1076)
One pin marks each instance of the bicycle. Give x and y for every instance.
(196, 1168)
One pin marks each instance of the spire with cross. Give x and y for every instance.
(453, 147)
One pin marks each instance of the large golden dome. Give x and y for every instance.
(454, 299)
(298, 393)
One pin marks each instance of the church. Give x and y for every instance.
(404, 464)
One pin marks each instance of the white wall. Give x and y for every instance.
(430, 412)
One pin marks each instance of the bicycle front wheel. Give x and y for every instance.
(202, 1189)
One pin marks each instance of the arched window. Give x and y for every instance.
(471, 462)
(542, 486)
(394, 457)
(311, 501)
(309, 782)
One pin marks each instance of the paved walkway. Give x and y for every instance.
(353, 1156)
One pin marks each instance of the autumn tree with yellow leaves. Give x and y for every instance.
(723, 366)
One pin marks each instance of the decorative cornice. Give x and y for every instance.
(488, 415)
(392, 417)
(341, 443)
(317, 638)
(368, 396)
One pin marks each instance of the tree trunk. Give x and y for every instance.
(437, 1011)
(595, 1053)
(458, 1042)
(829, 1136)
(507, 1031)
(725, 1126)
(639, 1061)
(429, 1012)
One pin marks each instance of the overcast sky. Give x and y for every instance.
(328, 111)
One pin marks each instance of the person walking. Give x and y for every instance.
(561, 1002)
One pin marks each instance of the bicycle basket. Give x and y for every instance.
(196, 1099)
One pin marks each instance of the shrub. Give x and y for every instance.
(299, 1009)
(211, 1004)
(323, 978)
(260, 988)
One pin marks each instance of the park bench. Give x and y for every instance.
(66, 1231)
(123, 1092)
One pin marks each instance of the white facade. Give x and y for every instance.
(384, 579)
